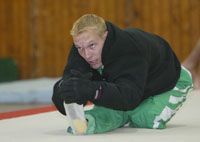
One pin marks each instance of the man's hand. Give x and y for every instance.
(78, 89)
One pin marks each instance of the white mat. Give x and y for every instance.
(27, 91)
(51, 127)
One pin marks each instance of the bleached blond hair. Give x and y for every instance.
(89, 21)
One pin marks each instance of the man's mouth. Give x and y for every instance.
(92, 62)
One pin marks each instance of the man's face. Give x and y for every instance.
(90, 45)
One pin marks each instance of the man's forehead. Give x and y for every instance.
(83, 38)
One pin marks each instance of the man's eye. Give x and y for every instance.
(92, 45)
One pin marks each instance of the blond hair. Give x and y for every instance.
(89, 21)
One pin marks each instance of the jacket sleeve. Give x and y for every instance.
(75, 62)
(126, 90)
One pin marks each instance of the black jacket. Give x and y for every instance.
(137, 65)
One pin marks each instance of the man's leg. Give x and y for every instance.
(156, 111)
(101, 119)
(192, 63)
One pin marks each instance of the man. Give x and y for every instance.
(132, 77)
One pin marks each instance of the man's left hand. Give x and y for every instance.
(78, 90)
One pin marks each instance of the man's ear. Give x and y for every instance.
(105, 34)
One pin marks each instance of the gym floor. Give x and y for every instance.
(50, 126)
(8, 107)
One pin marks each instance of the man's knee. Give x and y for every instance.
(58, 102)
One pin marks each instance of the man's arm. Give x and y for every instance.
(74, 62)
(124, 92)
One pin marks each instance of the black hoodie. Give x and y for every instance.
(137, 65)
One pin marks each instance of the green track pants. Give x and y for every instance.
(154, 112)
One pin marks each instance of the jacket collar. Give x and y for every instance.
(110, 39)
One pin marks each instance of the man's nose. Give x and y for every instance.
(87, 54)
